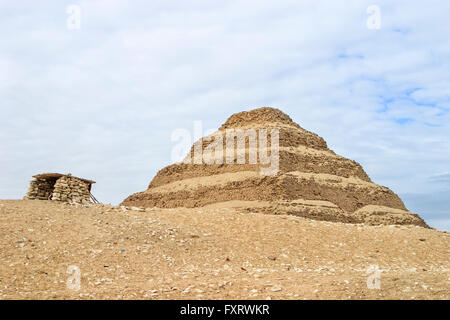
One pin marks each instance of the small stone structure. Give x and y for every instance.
(60, 187)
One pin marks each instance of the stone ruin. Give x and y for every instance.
(60, 187)
(312, 181)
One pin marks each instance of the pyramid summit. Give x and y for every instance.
(310, 180)
(260, 115)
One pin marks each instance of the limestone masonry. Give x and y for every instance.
(312, 181)
(60, 187)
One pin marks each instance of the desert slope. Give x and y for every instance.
(214, 252)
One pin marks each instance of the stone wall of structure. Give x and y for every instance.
(71, 189)
(40, 189)
(66, 189)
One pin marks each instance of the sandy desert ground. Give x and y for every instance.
(210, 253)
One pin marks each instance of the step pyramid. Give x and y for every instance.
(303, 178)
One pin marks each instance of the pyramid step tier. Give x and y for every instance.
(349, 194)
(290, 158)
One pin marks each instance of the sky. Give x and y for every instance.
(96, 88)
